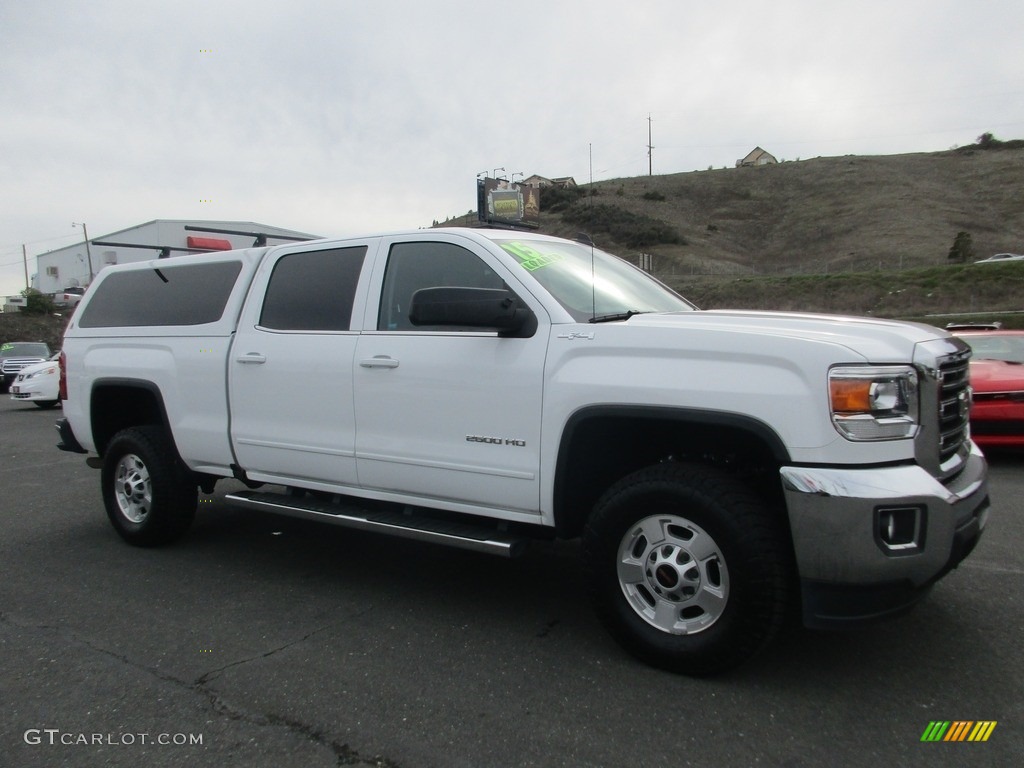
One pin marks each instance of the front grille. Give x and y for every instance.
(954, 404)
(13, 366)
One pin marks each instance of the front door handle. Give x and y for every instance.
(252, 357)
(379, 361)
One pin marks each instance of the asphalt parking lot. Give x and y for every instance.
(266, 641)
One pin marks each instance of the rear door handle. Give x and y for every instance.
(380, 361)
(252, 357)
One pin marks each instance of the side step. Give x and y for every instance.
(474, 536)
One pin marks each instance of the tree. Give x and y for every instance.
(988, 141)
(963, 249)
(37, 303)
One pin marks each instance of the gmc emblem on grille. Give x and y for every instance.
(963, 403)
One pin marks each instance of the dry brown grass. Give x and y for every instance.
(835, 214)
(857, 228)
(16, 326)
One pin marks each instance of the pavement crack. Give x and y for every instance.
(214, 673)
(343, 753)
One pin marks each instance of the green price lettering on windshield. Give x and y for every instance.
(530, 259)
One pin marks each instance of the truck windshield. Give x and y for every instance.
(592, 285)
(22, 349)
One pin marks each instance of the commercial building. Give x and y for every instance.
(76, 265)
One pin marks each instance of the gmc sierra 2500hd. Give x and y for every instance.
(725, 470)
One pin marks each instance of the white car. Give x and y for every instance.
(38, 383)
(1001, 257)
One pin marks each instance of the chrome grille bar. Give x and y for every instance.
(954, 404)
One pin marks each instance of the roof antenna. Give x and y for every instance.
(593, 267)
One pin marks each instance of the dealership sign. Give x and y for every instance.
(500, 202)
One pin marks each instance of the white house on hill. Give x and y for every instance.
(757, 156)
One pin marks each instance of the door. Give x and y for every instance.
(290, 368)
(450, 416)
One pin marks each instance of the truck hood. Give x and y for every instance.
(875, 339)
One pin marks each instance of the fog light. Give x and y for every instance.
(900, 530)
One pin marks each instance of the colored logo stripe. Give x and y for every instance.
(982, 730)
(935, 731)
(958, 730)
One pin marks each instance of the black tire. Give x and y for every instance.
(150, 496)
(690, 571)
(46, 404)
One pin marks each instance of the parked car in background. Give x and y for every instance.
(1001, 257)
(15, 355)
(38, 383)
(68, 298)
(997, 377)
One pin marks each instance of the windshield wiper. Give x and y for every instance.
(617, 316)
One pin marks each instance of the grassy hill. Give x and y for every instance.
(843, 234)
(17, 326)
(835, 214)
(858, 235)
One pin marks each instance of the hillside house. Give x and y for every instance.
(543, 181)
(757, 156)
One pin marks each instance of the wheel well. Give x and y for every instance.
(117, 406)
(601, 446)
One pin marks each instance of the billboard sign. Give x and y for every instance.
(505, 204)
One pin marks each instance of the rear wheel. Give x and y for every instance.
(150, 496)
(688, 569)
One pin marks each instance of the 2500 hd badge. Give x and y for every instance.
(496, 440)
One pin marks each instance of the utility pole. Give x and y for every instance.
(88, 251)
(24, 260)
(650, 158)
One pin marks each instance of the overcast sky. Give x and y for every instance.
(345, 117)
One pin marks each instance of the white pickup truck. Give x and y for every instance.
(726, 470)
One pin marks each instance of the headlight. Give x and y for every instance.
(44, 372)
(874, 402)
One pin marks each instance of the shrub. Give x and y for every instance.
(963, 248)
(629, 229)
(37, 303)
(554, 199)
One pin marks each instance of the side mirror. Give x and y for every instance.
(484, 308)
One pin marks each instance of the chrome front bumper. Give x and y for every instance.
(870, 541)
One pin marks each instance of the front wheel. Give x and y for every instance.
(688, 569)
(149, 495)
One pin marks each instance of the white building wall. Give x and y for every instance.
(70, 266)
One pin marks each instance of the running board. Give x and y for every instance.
(474, 536)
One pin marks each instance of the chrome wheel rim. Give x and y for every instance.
(133, 490)
(673, 574)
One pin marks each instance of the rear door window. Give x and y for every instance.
(313, 290)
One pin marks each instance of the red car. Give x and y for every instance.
(997, 378)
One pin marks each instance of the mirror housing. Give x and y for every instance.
(483, 308)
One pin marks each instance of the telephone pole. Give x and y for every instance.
(650, 158)
(88, 251)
